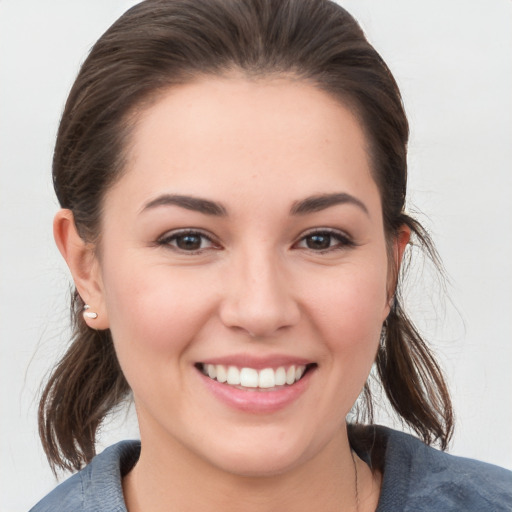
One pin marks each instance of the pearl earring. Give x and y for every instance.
(89, 314)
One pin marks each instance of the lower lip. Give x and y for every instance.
(254, 400)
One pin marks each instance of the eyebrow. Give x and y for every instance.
(196, 204)
(321, 202)
(308, 205)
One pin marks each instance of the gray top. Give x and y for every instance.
(417, 478)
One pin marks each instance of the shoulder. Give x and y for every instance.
(97, 486)
(420, 478)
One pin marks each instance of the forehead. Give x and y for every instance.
(274, 136)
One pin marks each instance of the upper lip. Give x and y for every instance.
(257, 362)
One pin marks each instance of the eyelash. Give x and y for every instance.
(168, 238)
(343, 240)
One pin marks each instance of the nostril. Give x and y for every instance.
(260, 307)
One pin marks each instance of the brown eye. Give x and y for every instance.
(325, 241)
(190, 242)
(187, 241)
(318, 241)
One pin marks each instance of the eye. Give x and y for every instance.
(325, 240)
(187, 241)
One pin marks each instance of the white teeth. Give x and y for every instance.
(249, 378)
(267, 378)
(222, 375)
(212, 371)
(233, 376)
(290, 375)
(252, 378)
(280, 376)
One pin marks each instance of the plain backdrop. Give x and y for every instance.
(453, 62)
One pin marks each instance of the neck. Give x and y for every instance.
(168, 477)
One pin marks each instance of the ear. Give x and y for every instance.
(84, 266)
(399, 244)
(403, 237)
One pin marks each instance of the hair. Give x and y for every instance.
(160, 43)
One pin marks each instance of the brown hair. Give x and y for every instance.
(159, 43)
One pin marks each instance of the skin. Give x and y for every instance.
(257, 288)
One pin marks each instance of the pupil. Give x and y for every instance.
(189, 242)
(319, 241)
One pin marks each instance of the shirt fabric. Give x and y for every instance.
(416, 478)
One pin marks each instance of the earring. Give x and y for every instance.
(89, 314)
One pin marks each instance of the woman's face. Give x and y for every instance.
(245, 240)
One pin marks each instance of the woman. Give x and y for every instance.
(232, 177)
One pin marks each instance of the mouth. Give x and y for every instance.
(246, 378)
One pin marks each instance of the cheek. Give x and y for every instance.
(155, 310)
(357, 304)
(349, 319)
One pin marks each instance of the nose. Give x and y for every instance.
(259, 297)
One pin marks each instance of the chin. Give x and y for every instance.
(258, 465)
(260, 459)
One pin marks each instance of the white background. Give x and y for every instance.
(453, 62)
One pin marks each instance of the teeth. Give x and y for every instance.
(222, 374)
(280, 376)
(233, 376)
(251, 378)
(267, 378)
(290, 375)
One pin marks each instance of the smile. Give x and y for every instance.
(266, 378)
